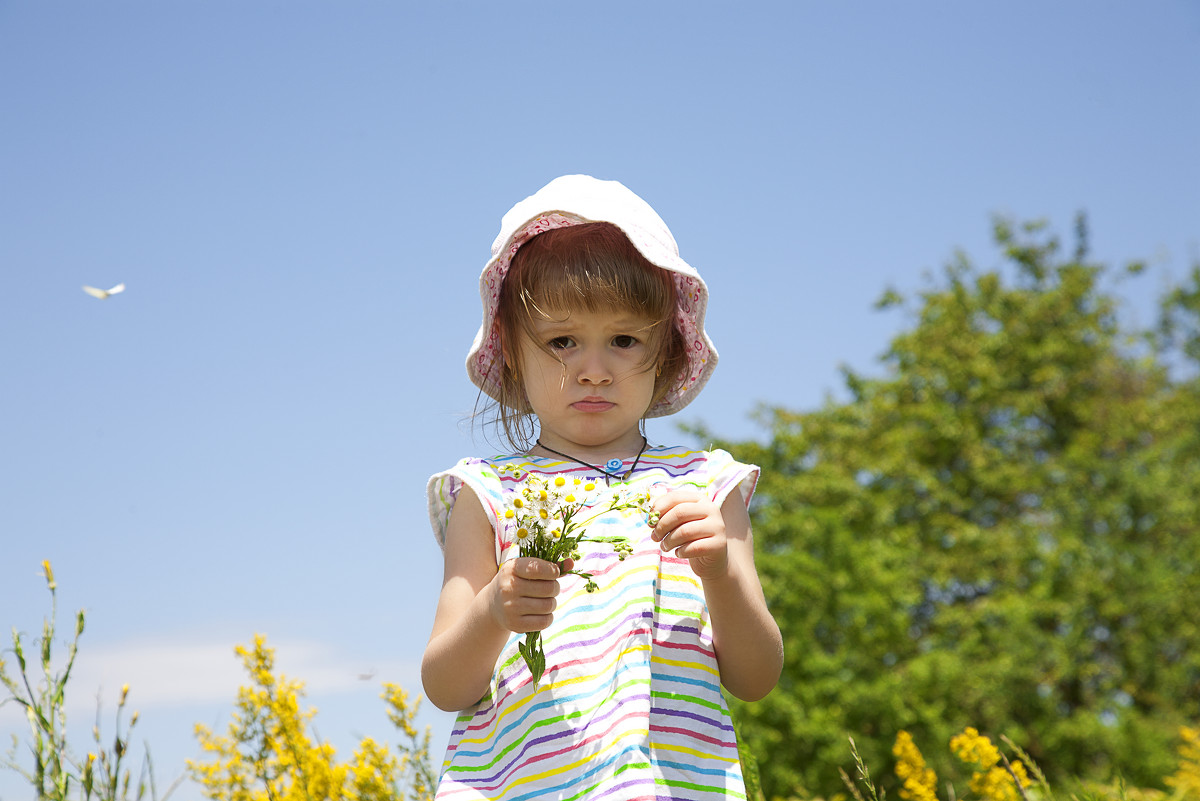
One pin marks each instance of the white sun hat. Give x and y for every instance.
(572, 200)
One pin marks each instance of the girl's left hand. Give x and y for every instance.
(692, 525)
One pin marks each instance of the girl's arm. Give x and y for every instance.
(480, 605)
(718, 543)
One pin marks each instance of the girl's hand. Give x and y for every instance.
(523, 594)
(692, 525)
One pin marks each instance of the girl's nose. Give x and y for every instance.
(592, 368)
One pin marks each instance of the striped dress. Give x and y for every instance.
(630, 705)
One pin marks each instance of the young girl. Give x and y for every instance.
(592, 323)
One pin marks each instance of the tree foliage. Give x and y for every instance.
(1002, 531)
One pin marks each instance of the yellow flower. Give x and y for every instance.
(522, 533)
(559, 481)
(971, 746)
(289, 764)
(542, 513)
(920, 782)
(518, 503)
(509, 514)
(49, 573)
(588, 487)
(1186, 779)
(992, 781)
(569, 499)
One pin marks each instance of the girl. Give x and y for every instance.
(592, 323)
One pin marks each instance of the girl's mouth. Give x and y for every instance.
(592, 405)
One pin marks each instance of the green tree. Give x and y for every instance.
(1002, 531)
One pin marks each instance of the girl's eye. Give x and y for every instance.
(624, 341)
(560, 343)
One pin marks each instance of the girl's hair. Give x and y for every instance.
(587, 267)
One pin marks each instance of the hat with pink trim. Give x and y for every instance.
(576, 199)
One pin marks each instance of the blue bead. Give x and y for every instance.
(613, 465)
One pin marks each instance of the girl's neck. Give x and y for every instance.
(625, 448)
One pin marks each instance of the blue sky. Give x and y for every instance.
(299, 197)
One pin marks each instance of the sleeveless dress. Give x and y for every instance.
(630, 705)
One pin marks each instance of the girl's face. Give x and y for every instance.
(589, 379)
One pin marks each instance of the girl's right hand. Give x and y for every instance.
(523, 594)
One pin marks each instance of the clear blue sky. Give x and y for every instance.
(299, 197)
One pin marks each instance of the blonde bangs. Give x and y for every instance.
(591, 267)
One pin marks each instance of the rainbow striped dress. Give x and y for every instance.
(630, 705)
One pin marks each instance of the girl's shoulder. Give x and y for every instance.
(715, 471)
(443, 487)
(489, 478)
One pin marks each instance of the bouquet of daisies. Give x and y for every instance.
(551, 524)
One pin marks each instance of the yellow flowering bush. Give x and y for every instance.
(415, 762)
(545, 518)
(1186, 779)
(269, 755)
(920, 782)
(991, 780)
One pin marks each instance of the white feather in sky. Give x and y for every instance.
(103, 293)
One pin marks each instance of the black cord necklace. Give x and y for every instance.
(611, 468)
